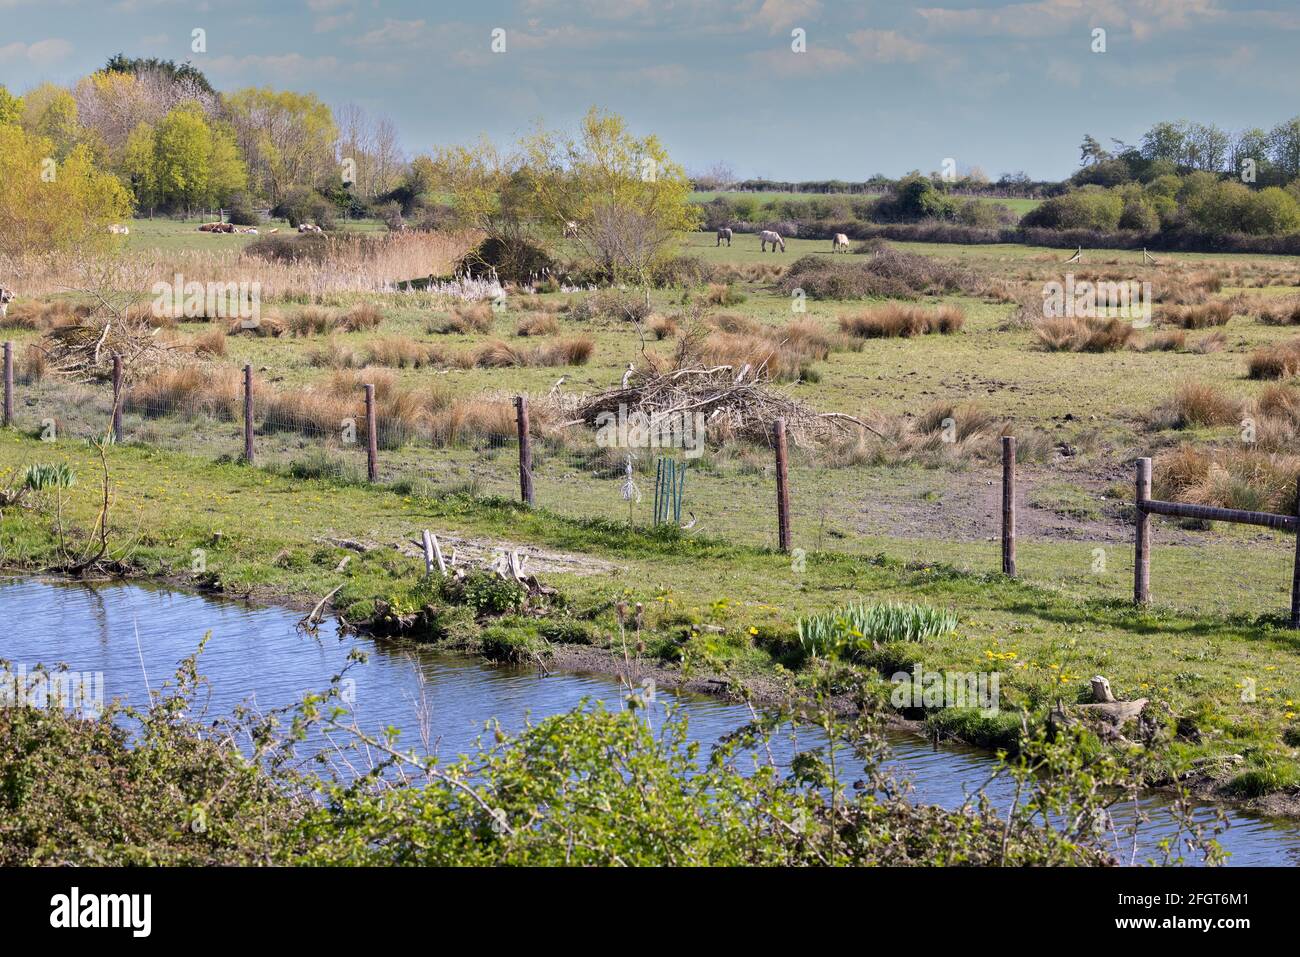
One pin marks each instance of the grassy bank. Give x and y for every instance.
(707, 605)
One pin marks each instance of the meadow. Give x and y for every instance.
(902, 514)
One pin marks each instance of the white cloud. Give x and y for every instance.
(776, 16)
(42, 53)
(889, 46)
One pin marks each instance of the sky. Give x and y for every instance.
(878, 88)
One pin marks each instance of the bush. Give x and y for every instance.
(509, 261)
(886, 273)
(302, 204)
(241, 212)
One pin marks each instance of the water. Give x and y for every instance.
(135, 635)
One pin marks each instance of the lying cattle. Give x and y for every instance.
(117, 229)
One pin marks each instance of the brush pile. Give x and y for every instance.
(736, 404)
(84, 351)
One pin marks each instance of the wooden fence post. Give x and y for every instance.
(782, 489)
(372, 439)
(525, 450)
(9, 384)
(117, 397)
(1142, 537)
(1009, 505)
(248, 414)
(1295, 571)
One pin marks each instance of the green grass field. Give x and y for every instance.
(884, 530)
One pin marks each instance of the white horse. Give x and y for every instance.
(723, 233)
(570, 229)
(840, 242)
(767, 236)
(6, 297)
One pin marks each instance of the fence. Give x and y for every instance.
(793, 505)
(1148, 506)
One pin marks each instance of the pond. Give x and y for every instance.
(135, 636)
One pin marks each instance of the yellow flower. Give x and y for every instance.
(753, 630)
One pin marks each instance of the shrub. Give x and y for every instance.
(886, 273)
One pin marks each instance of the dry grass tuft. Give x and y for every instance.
(210, 343)
(465, 319)
(537, 324)
(1074, 334)
(1202, 316)
(895, 320)
(663, 327)
(1281, 360)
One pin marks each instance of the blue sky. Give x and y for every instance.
(882, 87)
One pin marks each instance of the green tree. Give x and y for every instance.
(630, 201)
(11, 107)
(46, 206)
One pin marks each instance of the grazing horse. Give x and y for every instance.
(723, 233)
(570, 229)
(840, 242)
(6, 297)
(767, 236)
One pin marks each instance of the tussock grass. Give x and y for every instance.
(537, 324)
(465, 319)
(723, 294)
(1200, 405)
(571, 351)
(1281, 360)
(1075, 334)
(1234, 477)
(1202, 316)
(212, 390)
(895, 320)
(663, 327)
(401, 352)
(211, 343)
(1172, 340)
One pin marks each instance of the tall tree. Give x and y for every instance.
(287, 138)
